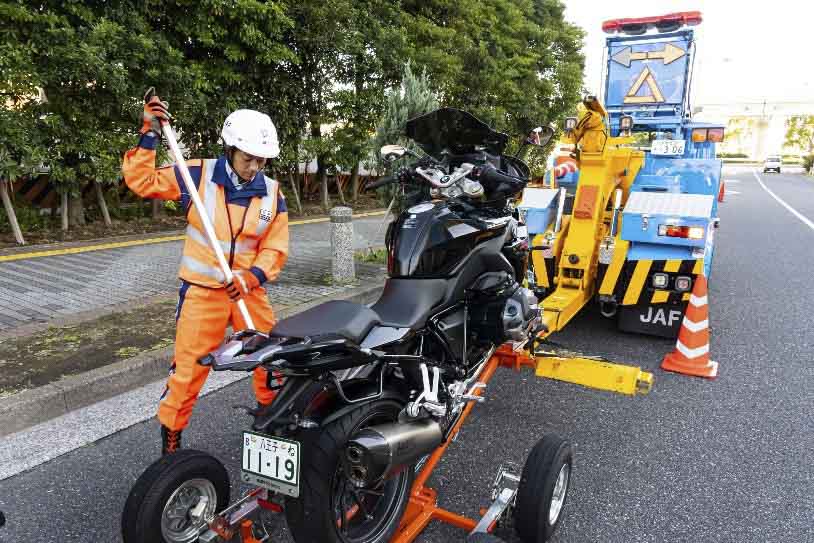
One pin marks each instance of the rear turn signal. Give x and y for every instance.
(715, 135)
(699, 135)
(689, 232)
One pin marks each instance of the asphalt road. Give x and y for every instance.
(728, 460)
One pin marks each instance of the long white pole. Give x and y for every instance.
(560, 208)
(169, 135)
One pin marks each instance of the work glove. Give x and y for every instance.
(241, 284)
(154, 112)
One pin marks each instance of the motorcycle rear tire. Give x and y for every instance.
(311, 517)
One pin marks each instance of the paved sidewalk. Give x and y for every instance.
(41, 289)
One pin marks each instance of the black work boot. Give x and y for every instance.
(170, 440)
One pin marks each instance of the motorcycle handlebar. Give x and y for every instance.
(386, 180)
(492, 176)
(487, 174)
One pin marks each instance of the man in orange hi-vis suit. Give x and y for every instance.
(249, 215)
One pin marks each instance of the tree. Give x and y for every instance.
(514, 64)
(91, 62)
(800, 133)
(19, 153)
(412, 98)
(74, 74)
(370, 64)
(317, 39)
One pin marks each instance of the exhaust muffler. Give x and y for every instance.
(380, 452)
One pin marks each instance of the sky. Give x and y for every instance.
(747, 51)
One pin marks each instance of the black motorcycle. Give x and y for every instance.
(368, 392)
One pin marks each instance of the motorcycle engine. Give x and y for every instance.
(501, 310)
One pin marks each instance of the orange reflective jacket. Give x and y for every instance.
(251, 224)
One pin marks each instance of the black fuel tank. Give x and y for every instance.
(430, 239)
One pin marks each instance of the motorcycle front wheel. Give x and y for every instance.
(330, 509)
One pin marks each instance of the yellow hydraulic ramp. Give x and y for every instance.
(593, 372)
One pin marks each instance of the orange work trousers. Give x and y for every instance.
(202, 317)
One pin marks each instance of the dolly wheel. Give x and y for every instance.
(543, 489)
(172, 499)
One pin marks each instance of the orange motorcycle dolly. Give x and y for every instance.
(423, 507)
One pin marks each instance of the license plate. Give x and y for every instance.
(667, 147)
(272, 463)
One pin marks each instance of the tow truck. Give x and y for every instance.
(627, 216)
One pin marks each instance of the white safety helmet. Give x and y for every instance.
(252, 132)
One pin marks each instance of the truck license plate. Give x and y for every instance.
(667, 147)
(272, 463)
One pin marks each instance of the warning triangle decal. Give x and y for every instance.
(654, 97)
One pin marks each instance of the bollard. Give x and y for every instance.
(342, 264)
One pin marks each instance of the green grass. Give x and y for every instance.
(372, 256)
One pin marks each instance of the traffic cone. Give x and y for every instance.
(691, 355)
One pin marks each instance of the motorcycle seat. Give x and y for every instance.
(342, 318)
(407, 303)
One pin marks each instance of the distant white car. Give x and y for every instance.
(772, 164)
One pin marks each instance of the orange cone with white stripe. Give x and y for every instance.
(691, 355)
(564, 168)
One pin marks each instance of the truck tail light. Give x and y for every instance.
(715, 135)
(683, 283)
(699, 135)
(688, 232)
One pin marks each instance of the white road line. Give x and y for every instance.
(784, 204)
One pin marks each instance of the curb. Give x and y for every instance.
(40, 404)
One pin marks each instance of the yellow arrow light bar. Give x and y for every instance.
(669, 54)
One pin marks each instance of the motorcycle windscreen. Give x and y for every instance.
(454, 131)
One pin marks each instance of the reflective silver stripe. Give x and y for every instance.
(268, 205)
(199, 237)
(243, 246)
(199, 267)
(211, 189)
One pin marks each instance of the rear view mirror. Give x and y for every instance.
(392, 152)
(540, 136)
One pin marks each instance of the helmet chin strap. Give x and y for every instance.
(229, 151)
